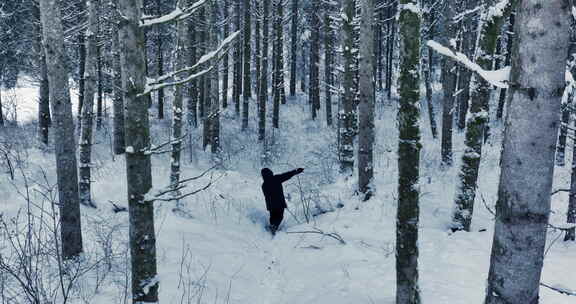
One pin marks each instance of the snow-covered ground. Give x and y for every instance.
(218, 250)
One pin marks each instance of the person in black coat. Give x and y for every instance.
(274, 194)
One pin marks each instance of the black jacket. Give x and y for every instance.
(273, 190)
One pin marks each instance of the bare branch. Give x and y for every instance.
(333, 235)
(177, 14)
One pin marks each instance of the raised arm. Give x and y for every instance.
(288, 175)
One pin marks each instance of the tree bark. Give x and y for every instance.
(44, 120)
(118, 103)
(263, 97)
(427, 32)
(448, 86)
(225, 57)
(328, 60)
(407, 290)
(293, 46)
(160, 60)
(314, 80)
(64, 143)
(193, 90)
(247, 94)
(145, 281)
(237, 84)
(523, 205)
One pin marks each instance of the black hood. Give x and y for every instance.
(266, 173)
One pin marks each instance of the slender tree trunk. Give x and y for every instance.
(160, 60)
(44, 120)
(247, 94)
(427, 32)
(237, 84)
(366, 105)
(448, 86)
(407, 290)
(390, 48)
(258, 48)
(571, 214)
(1, 114)
(99, 91)
(346, 116)
(263, 97)
(523, 205)
(88, 107)
(328, 60)
(206, 84)
(509, 44)
(82, 65)
(193, 85)
(225, 57)
(480, 89)
(64, 143)
(303, 71)
(145, 281)
(118, 104)
(215, 86)
(293, 46)
(314, 81)
(278, 79)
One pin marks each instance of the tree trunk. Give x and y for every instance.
(527, 162)
(138, 167)
(328, 60)
(407, 290)
(346, 115)
(88, 107)
(44, 120)
(237, 84)
(314, 81)
(489, 28)
(278, 79)
(82, 65)
(263, 97)
(247, 94)
(160, 59)
(509, 44)
(193, 85)
(215, 86)
(258, 48)
(448, 86)
(366, 105)
(427, 33)
(64, 143)
(118, 104)
(225, 57)
(571, 214)
(293, 46)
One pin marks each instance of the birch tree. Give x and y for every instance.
(527, 162)
(64, 143)
(407, 290)
(491, 18)
(88, 107)
(366, 104)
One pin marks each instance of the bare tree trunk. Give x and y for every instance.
(237, 84)
(278, 79)
(427, 32)
(215, 87)
(247, 94)
(523, 205)
(145, 281)
(366, 105)
(346, 116)
(314, 80)
(118, 103)
(258, 42)
(225, 57)
(448, 86)
(193, 86)
(509, 44)
(100, 91)
(263, 97)
(571, 214)
(293, 46)
(407, 290)
(328, 59)
(82, 63)
(88, 107)
(160, 60)
(44, 120)
(64, 143)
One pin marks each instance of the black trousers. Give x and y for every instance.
(276, 217)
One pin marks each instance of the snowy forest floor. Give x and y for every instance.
(217, 250)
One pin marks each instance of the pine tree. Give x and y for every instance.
(527, 161)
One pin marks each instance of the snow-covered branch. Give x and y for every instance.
(498, 78)
(154, 84)
(177, 14)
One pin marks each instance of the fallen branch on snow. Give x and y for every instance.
(333, 235)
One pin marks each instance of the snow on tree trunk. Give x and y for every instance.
(509, 43)
(138, 167)
(247, 94)
(527, 162)
(64, 143)
(477, 117)
(293, 46)
(193, 85)
(366, 105)
(407, 290)
(279, 94)
(160, 59)
(346, 115)
(314, 80)
(225, 57)
(215, 87)
(258, 47)
(263, 97)
(88, 107)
